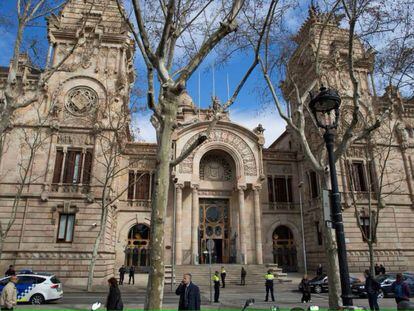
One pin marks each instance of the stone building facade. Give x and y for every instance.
(233, 190)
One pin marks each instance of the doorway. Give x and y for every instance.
(284, 249)
(214, 225)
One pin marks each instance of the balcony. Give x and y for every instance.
(285, 206)
(70, 188)
(146, 204)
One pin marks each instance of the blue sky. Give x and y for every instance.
(249, 109)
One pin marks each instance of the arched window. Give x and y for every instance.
(136, 252)
(217, 166)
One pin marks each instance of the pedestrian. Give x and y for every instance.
(114, 300)
(372, 287)
(131, 275)
(189, 294)
(382, 269)
(306, 290)
(400, 289)
(319, 270)
(8, 298)
(269, 277)
(122, 272)
(377, 269)
(10, 271)
(223, 277)
(216, 280)
(243, 276)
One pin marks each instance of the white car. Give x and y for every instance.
(36, 288)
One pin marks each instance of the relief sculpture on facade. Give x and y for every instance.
(224, 136)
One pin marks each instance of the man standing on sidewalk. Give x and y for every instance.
(121, 271)
(269, 277)
(8, 298)
(216, 280)
(131, 275)
(372, 288)
(223, 277)
(189, 294)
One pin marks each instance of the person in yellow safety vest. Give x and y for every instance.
(223, 277)
(216, 280)
(269, 277)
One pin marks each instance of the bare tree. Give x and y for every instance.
(27, 142)
(174, 38)
(365, 20)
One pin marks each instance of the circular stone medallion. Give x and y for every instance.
(80, 100)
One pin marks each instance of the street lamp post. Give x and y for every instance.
(322, 106)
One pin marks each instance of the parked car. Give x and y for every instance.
(319, 284)
(36, 288)
(385, 280)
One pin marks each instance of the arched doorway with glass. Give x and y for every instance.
(284, 249)
(137, 249)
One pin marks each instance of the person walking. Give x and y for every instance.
(10, 271)
(400, 289)
(8, 298)
(243, 276)
(216, 280)
(223, 277)
(372, 287)
(114, 300)
(269, 277)
(122, 272)
(306, 290)
(319, 270)
(189, 294)
(377, 269)
(131, 275)
(382, 269)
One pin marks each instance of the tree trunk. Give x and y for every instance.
(92, 263)
(371, 257)
(155, 287)
(2, 239)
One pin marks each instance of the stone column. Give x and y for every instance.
(194, 225)
(178, 224)
(258, 225)
(242, 226)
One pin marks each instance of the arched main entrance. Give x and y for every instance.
(284, 249)
(137, 249)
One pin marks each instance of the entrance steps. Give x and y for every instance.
(200, 273)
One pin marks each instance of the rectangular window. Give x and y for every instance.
(270, 188)
(283, 189)
(313, 184)
(140, 182)
(357, 174)
(318, 233)
(66, 228)
(73, 167)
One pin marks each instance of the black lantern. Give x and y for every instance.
(322, 106)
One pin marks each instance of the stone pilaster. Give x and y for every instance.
(178, 224)
(242, 225)
(258, 225)
(194, 225)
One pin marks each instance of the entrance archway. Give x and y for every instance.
(284, 249)
(137, 249)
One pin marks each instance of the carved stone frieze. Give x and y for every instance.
(142, 164)
(224, 136)
(74, 139)
(279, 169)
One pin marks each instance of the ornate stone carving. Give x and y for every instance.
(74, 139)
(224, 136)
(215, 168)
(142, 164)
(81, 100)
(280, 169)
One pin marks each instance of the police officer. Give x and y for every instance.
(216, 280)
(269, 277)
(223, 276)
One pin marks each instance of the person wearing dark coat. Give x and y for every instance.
(131, 275)
(319, 270)
(122, 272)
(10, 271)
(400, 289)
(372, 287)
(189, 294)
(114, 300)
(377, 269)
(243, 276)
(382, 269)
(306, 290)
